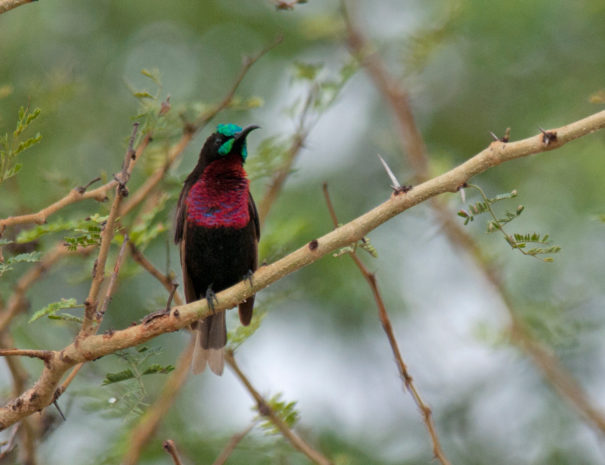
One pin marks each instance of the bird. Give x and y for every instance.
(217, 230)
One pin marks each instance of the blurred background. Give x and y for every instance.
(470, 68)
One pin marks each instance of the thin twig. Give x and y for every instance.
(41, 354)
(167, 281)
(279, 177)
(396, 95)
(232, 444)
(93, 347)
(266, 410)
(388, 329)
(91, 302)
(100, 314)
(112, 281)
(170, 447)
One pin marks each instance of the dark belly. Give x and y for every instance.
(219, 257)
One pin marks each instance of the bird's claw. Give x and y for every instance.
(211, 298)
(248, 277)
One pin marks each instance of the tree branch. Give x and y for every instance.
(6, 5)
(93, 347)
(91, 315)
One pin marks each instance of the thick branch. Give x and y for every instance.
(6, 5)
(93, 347)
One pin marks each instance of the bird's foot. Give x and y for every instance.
(211, 298)
(248, 277)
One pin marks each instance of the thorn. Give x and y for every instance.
(548, 137)
(401, 189)
(505, 138)
(396, 186)
(462, 192)
(82, 189)
(56, 404)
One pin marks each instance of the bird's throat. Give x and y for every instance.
(219, 198)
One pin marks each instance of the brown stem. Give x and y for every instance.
(388, 329)
(166, 281)
(170, 447)
(90, 324)
(280, 176)
(266, 410)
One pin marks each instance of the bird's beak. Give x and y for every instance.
(241, 136)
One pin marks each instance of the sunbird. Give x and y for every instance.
(218, 231)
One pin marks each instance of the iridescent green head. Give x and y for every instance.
(232, 137)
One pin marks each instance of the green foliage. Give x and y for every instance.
(90, 232)
(284, 410)
(7, 263)
(51, 311)
(14, 144)
(124, 394)
(29, 235)
(136, 360)
(516, 241)
(124, 375)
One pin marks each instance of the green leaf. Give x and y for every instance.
(285, 410)
(30, 257)
(40, 230)
(156, 368)
(111, 378)
(66, 317)
(53, 308)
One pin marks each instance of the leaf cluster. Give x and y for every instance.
(11, 145)
(283, 409)
(518, 241)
